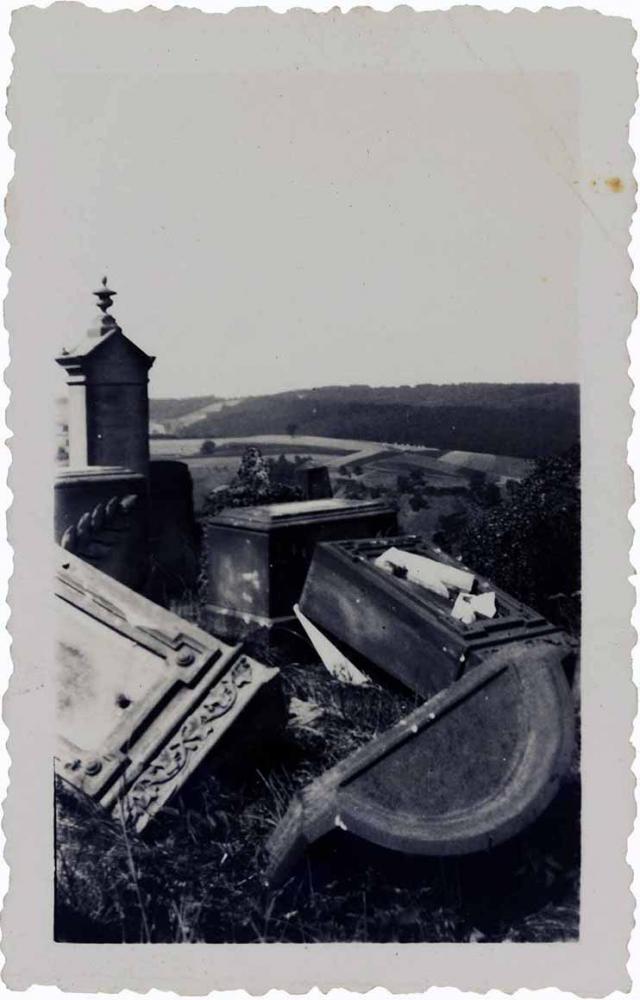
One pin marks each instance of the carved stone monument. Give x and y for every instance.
(144, 697)
(101, 515)
(404, 628)
(258, 557)
(467, 770)
(107, 376)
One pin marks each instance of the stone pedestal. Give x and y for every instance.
(258, 557)
(101, 514)
(144, 697)
(401, 627)
(174, 534)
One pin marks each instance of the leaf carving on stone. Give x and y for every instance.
(172, 760)
(242, 673)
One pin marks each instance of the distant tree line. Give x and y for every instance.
(523, 431)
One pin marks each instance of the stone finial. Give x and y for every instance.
(105, 301)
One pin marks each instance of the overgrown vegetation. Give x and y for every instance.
(256, 482)
(528, 542)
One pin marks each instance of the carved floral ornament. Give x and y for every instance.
(190, 739)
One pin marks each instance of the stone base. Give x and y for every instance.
(258, 557)
(233, 627)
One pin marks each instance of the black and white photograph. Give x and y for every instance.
(318, 444)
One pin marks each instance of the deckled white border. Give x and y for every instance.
(625, 8)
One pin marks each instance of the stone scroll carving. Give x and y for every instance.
(90, 535)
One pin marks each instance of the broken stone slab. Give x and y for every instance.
(144, 697)
(258, 557)
(472, 767)
(403, 628)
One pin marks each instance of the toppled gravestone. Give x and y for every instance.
(258, 557)
(406, 629)
(470, 768)
(144, 697)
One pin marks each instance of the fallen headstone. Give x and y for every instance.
(467, 770)
(401, 626)
(144, 697)
(258, 557)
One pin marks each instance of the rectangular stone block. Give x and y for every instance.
(258, 557)
(401, 627)
(144, 697)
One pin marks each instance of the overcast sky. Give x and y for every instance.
(314, 225)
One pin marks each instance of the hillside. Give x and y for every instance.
(523, 420)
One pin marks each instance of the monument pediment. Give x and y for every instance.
(107, 349)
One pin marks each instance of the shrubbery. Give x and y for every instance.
(253, 484)
(528, 542)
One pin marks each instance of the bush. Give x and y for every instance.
(418, 502)
(529, 543)
(252, 485)
(207, 447)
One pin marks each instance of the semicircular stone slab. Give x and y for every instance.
(470, 768)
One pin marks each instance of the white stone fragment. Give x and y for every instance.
(468, 606)
(336, 662)
(429, 573)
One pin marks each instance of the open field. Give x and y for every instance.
(374, 466)
(274, 443)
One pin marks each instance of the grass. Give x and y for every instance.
(196, 874)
